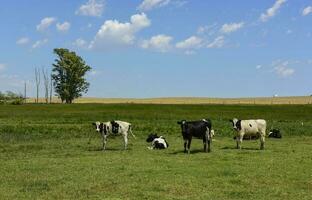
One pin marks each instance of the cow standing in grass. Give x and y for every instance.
(116, 128)
(252, 128)
(199, 129)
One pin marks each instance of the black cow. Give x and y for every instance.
(157, 142)
(199, 129)
(275, 133)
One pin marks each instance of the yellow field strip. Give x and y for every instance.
(190, 100)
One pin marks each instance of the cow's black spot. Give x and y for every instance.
(115, 127)
(250, 125)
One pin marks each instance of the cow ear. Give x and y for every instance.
(93, 123)
(179, 122)
(230, 120)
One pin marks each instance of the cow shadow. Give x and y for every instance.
(194, 151)
(243, 148)
(99, 149)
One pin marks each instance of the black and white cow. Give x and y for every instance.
(199, 129)
(252, 128)
(116, 128)
(157, 142)
(275, 133)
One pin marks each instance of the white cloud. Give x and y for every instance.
(217, 43)
(2, 66)
(258, 66)
(116, 34)
(92, 8)
(228, 28)
(211, 29)
(39, 43)
(45, 23)
(192, 42)
(23, 41)
(282, 69)
(159, 43)
(63, 27)
(80, 43)
(270, 12)
(307, 11)
(147, 5)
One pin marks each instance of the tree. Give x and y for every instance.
(46, 80)
(68, 74)
(37, 76)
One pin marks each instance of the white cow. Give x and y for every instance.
(114, 127)
(250, 127)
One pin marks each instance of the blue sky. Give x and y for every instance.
(163, 48)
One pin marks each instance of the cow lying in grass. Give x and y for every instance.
(199, 129)
(157, 142)
(252, 127)
(116, 128)
(275, 133)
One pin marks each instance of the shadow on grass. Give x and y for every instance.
(243, 148)
(194, 151)
(107, 149)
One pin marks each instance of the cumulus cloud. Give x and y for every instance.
(159, 43)
(64, 27)
(45, 23)
(271, 12)
(23, 41)
(217, 43)
(229, 28)
(80, 43)
(92, 8)
(282, 69)
(192, 42)
(307, 10)
(116, 34)
(147, 5)
(39, 43)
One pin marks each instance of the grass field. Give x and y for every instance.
(44, 154)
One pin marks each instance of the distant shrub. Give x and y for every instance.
(11, 98)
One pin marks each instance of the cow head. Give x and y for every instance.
(236, 124)
(97, 126)
(151, 137)
(183, 125)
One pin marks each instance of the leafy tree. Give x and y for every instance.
(68, 74)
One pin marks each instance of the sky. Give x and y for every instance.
(163, 48)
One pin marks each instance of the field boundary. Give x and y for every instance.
(296, 100)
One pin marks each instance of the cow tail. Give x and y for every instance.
(130, 130)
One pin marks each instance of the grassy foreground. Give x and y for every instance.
(44, 154)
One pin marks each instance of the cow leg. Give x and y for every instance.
(126, 142)
(262, 140)
(104, 137)
(206, 141)
(185, 142)
(239, 140)
(189, 145)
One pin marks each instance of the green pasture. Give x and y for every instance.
(44, 154)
